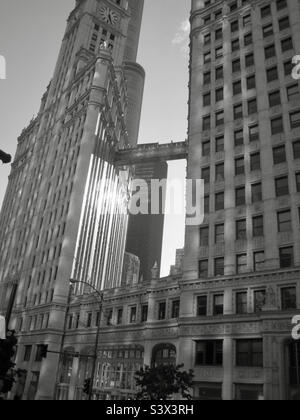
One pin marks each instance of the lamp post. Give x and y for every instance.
(100, 300)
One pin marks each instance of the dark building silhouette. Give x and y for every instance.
(145, 232)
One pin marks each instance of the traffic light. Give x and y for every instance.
(87, 386)
(5, 157)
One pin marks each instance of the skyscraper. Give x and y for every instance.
(64, 213)
(244, 120)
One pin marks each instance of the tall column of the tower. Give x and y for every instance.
(135, 74)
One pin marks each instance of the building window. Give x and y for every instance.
(241, 229)
(265, 11)
(220, 144)
(252, 106)
(209, 353)
(281, 4)
(234, 26)
(219, 118)
(120, 316)
(239, 166)
(272, 74)
(259, 300)
(40, 351)
(201, 305)
(205, 174)
(206, 123)
(249, 60)
(296, 149)
(241, 264)
(254, 133)
(251, 82)
(284, 23)
(218, 305)
(259, 261)
(274, 98)
(162, 307)
(282, 186)
(248, 39)
(219, 199)
(207, 78)
(219, 34)
(89, 320)
(288, 67)
(256, 192)
(286, 45)
(238, 111)
(204, 237)
(238, 138)
(235, 45)
(27, 353)
(237, 87)
(207, 99)
(219, 52)
(258, 226)
(279, 155)
(219, 95)
(236, 66)
(268, 30)
(284, 219)
(249, 353)
(133, 312)
(288, 299)
(255, 162)
(270, 52)
(175, 309)
(207, 39)
(144, 313)
(220, 172)
(293, 92)
(207, 57)
(242, 303)
(295, 119)
(240, 196)
(286, 257)
(298, 182)
(219, 234)
(203, 269)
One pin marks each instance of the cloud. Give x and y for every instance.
(182, 37)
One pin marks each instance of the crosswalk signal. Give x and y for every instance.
(87, 386)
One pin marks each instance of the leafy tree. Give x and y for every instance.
(162, 382)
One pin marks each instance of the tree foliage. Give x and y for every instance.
(162, 382)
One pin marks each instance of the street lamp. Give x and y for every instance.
(100, 300)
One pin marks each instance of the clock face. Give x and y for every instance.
(108, 15)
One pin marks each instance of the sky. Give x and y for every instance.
(30, 36)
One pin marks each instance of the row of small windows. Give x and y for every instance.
(286, 260)
(243, 231)
(246, 301)
(115, 317)
(292, 91)
(282, 188)
(265, 11)
(277, 124)
(272, 73)
(267, 30)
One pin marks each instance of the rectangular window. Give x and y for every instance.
(162, 311)
(205, 174)
(270, 52)
(220, 172)
(288, 299)
(284, 220)
(284, 23)
(239, 166)
(258, 226)
(256, 192)
(203, 269)
(219, 118)
(249, 353)
(282, 186)
(239, 138)
(27, 353)
(286, 256)
(206, 148)
(254, 133)
(272, 74)
(207, 78)
(279, 155)
(219, 201)
(252, 106)
(259, 260)
(241, 229)
(236, 66)
(218, 305)
(242, 303)
(220, 144)
(219, 266)
(206, 123)
(259, 300)
(251, 82)
(89, 320)
(268, 30)
(219, 234)
(255, 162)
(240, 196)
(120, 316)
(219, 95)
(249, 60)
(293, 92)
(241, 264)
(287, 45)
(295, 119)
(238, 111)
(277, 126)
(202, 305)
(296, 149)
(274, 98)
(144, 313)
(133, 312)
(175, 309)
(204, 236)
(298, 182)
(209, 353)
(237, 87)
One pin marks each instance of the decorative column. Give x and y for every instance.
(227, 393)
